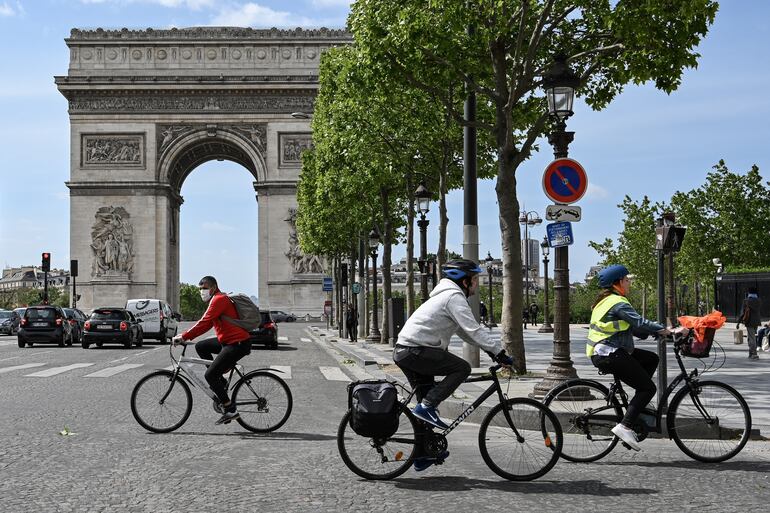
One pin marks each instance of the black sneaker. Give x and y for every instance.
(228, 417)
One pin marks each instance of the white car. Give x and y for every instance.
(159, 322)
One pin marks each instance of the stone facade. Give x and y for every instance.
(146, 108)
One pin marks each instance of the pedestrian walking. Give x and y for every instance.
(533, 311)
(483, 312)
(525, 316)
(750, 318)
(761, 332)
(351, 323)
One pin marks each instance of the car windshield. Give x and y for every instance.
(5, 315)
(266, 317)
(40, 313)
(109, 315)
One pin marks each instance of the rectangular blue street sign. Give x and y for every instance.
(559, 234)
(328, 284)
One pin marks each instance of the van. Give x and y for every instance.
(159, 322)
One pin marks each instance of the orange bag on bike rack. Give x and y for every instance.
(704, 328)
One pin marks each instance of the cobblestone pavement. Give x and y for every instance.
(112, 464)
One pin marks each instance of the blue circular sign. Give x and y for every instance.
(565, 181)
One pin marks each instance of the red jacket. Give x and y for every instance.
(227, 333)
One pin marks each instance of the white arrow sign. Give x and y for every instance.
(569, 213)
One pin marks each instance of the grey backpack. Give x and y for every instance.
(249, 317)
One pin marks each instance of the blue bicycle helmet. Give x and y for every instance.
(459, 268)
(611, 274)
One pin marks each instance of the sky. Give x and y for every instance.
(644, 143)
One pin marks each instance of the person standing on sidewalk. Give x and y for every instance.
(351, 323)
(751, 319)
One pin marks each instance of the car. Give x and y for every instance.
(44, 324)
(116, 325)
(9, 322)
(280, 316)
(266, 333)
(77, 320)
(159, 321)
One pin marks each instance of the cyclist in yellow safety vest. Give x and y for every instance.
(610, 346)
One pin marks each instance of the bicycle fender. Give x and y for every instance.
(593, 382)
(269, 369)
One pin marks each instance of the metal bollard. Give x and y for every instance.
(738, 337)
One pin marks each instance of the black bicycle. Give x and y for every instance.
(708, 420)
(520, 439)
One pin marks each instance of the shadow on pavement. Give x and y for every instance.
(277, 435)
(457, 483)
(279, 348)
(753, 465)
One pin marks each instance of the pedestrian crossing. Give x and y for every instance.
(35, 371)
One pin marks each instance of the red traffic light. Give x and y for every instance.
(46, 262)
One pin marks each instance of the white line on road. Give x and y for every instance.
(23, 355)
(24, 366)
(285, 370)
(283, 339)
(111, 371)
(303, 339)
(57, 370)
(334, 374)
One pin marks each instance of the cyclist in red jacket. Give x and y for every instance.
(231, 343)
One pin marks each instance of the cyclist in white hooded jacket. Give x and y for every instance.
(422, 348)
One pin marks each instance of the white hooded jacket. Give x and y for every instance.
(445, 313)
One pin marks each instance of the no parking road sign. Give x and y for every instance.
(565, 181)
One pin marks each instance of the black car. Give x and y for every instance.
(266, 334)
(280, 316)
(77, 320)
(112, 325)
(9, 322)
(44, 324)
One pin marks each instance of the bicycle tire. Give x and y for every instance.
(587, 437)
(511, 458)
(178, 413)
(732, 428)
(362, 455)
(266, 391)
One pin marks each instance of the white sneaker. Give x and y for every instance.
(627, 435)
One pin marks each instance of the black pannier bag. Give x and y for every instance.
(373, 408)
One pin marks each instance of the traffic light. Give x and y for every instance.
(46, 262)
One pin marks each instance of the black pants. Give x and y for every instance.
(225, 360)
(352, 331)
(635, 370)
(421, 364)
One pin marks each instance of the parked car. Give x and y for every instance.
(9, 322)
(159, 321)
(46, 325)
(112, 325)
(77, 320)
(280, 316)
(266, 334)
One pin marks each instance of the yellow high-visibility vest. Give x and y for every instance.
(602, 330)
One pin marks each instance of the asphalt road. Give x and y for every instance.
(110, 463)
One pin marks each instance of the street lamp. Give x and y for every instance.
(528, 219)
(718, 264)
(546, 327)
(559, 83)
(422, 197)
(374, 242)
(491, 307)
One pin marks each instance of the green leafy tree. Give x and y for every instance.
(503, 60)
(191, 306)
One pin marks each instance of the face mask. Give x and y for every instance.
(205, 295)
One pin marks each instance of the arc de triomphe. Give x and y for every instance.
(146, 108)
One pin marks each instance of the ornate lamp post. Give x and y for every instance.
(546, 326)
(374, 242)
(528, 219)
(560, 83)
(491, 307)
(422, 197)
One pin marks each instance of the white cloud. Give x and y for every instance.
(596, 192)
(8, 10)
(213, 226)
(192, 4)
(253, 14)
(332, 3)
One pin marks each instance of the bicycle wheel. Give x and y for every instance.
(587, 416)
(710, 422)
(263, 400)
(526, 453)
(158, 409)
(379, 459)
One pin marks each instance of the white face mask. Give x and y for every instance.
(205, 295)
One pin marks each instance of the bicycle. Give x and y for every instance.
(161, 401)
(512, 432)
(708, 420)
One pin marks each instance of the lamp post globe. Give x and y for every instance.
(374, 241)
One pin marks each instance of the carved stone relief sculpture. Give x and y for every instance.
(301, 262)
(292, 146)
(112, 241)
(113, 150)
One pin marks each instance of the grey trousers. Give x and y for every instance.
(751, 334)
(421, 364)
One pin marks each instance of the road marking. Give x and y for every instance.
(111, 371)
(283, 339)
(17, 367)
(57, 370)
(334, 374)
(8, 342)
(27, 354)
(285, 370)
(303, 339)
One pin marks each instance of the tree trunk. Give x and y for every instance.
(409, 246)
(386, 263)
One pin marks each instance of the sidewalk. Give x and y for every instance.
(750, 377)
